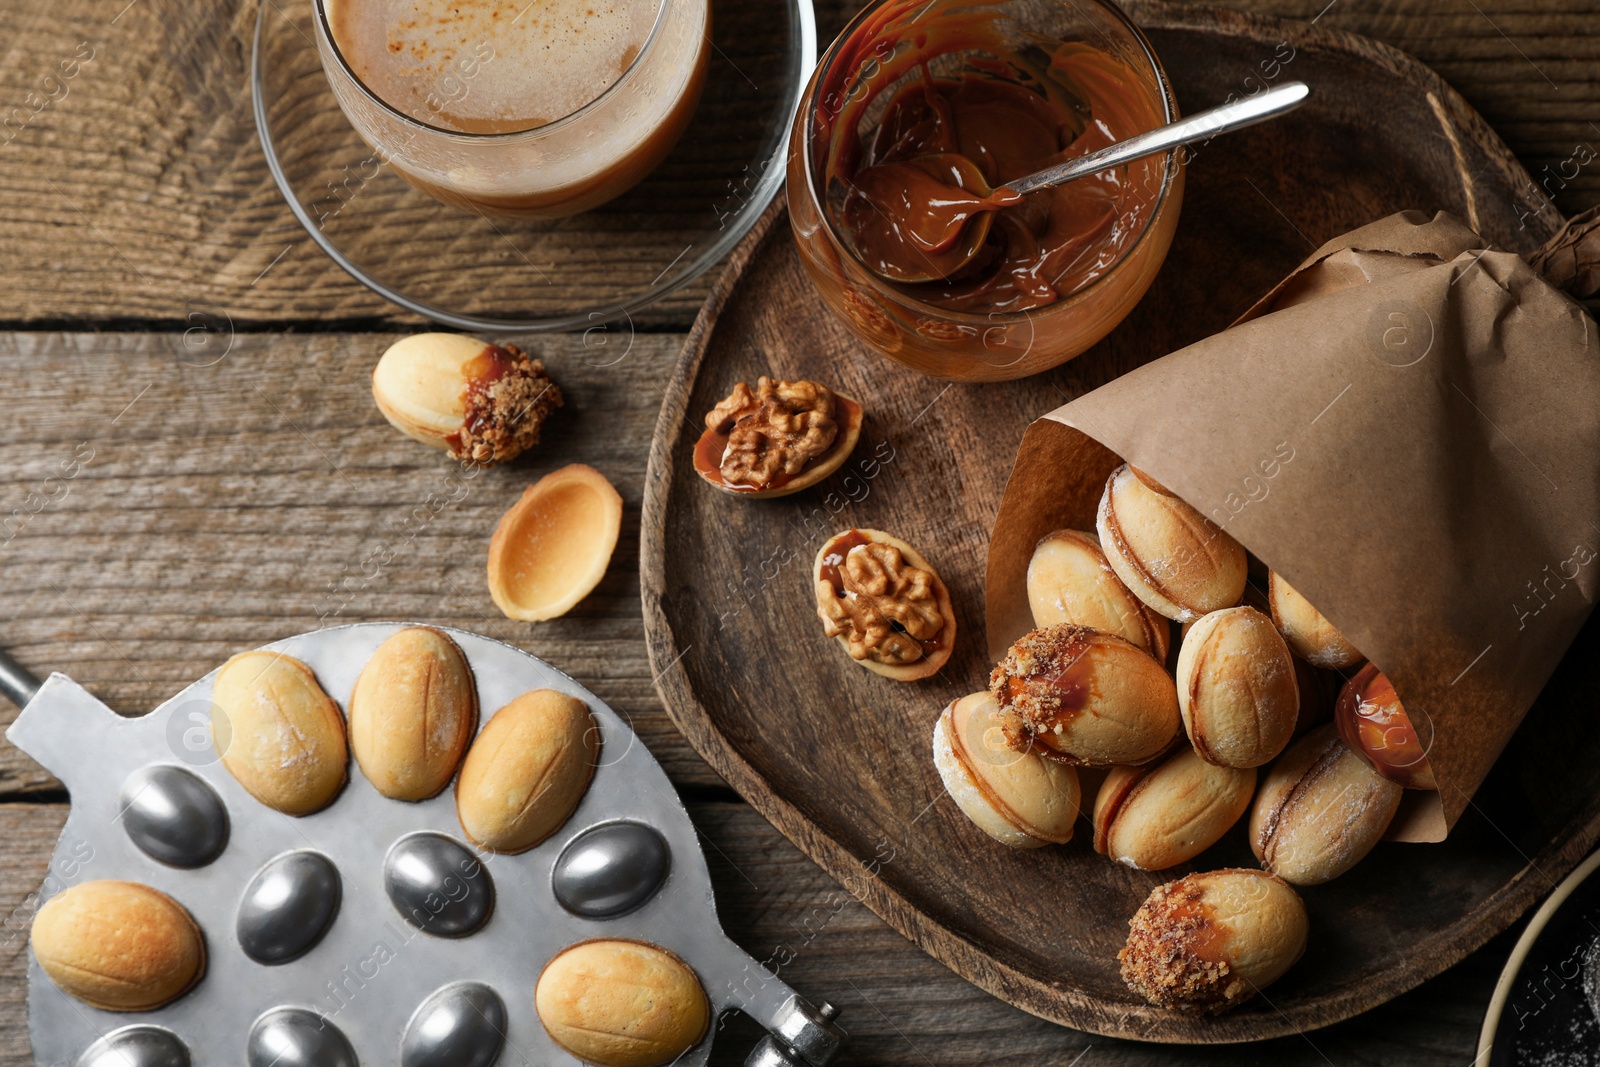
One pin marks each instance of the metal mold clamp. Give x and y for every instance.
(316, 955)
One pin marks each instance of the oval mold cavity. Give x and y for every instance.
(173, 816)
(137, 1046)
(460, 1025)
(611, 869)
(288, 907)
(294, 1037)
(438, 885)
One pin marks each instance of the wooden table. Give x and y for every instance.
(191, 465)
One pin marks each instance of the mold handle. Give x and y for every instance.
(17, 684)
(54, 722)
(803, 1035)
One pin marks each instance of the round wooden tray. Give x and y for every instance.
(839, 759)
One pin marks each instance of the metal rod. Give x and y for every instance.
(17, 683)
(1205, 125)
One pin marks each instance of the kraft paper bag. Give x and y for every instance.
(1408, 430)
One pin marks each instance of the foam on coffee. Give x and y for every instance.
(490, 66)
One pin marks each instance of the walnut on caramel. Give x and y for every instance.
(777, 438)
(886, 609)
(775, 430)
(880, 599)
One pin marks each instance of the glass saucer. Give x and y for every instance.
(492, 274)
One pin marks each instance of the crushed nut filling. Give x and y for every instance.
(1171, 959)
(774, 430)
(1036, 679)
(505, 411)
(888, 609)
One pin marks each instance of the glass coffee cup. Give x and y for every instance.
(1013, 86)
(528, 108)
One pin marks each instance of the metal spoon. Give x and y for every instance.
(954, 222)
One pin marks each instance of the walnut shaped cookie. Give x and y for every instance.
(884, 604)
(776, 439)
(483, 403)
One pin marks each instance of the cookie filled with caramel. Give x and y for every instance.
(778, 438)
(483, 403)
(1020, 799)
(1373, 722)
(1208, 942)
(1086, 697)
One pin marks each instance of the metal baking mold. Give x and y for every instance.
(373, 974)
(137, 1046)
(460, 1025)
(438, 885)
(295, 1037)
(610, 869)
(174, 816)
(287, 907)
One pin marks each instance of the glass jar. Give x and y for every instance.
(555, 168)
(1052, 47)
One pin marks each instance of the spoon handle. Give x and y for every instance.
(1224, 119)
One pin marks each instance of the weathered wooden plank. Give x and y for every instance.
(151, 141)
(136, 191)
(899, 1006)
(161, 509)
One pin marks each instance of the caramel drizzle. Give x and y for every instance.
(482, 371)
(1076, 647)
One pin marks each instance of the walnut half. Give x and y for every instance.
(887, 606)
(774, 430)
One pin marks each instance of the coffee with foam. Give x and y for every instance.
(623, 74)
(490, 66)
